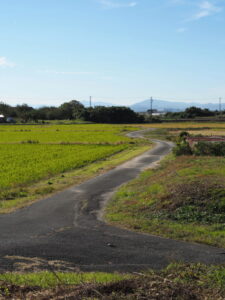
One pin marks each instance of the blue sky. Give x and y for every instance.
(118, 51)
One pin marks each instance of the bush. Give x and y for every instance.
(182, 148)
(183, 135)
(211, 149)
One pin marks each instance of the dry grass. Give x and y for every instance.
(178, 281)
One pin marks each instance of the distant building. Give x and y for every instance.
(10, 120)
(155, 112)
(212, 139)
(2, 118)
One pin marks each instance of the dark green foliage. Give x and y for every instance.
(72, 110)
(191, 113)
(182, 148)
(7, 110)
(210, 149)
(201, 202)
(117, 115)
(183, 135)
(193, 214)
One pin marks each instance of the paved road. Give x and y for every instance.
(68, 227)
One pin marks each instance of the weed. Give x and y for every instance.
(183, 199)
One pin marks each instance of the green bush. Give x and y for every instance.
(182, 148)
(210, 149)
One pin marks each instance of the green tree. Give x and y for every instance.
(71, 110)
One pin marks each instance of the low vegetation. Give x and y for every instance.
(183, 199)
(177, 281)
(48, 279)
(200, 148)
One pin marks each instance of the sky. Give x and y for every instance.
(117, 51)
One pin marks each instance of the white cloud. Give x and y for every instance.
(117, 4)
(203, 8)
(5, 63)
(182, 29)
(206, 9)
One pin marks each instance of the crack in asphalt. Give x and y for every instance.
(70, 227)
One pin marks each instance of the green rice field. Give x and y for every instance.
(56, 134)
(32, 153)
(22, 164)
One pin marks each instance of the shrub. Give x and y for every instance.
(182, 148)
(211, 149)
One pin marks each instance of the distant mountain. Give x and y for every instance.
(94, 103)
(162, 105)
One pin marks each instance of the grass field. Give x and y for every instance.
(60, 134)
(37, 160)
(23, 164)
(46, 279)
(183, 199)
(177, 281)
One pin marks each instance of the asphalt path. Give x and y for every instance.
(69, 227)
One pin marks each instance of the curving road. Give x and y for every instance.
(68, 227)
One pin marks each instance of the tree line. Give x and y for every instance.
(72, 110)
(191, 113)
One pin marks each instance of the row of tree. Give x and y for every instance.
(72, 110)
(191, 113)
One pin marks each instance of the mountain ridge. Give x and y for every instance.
(164, 105)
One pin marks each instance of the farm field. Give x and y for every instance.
(30, 153)
(208, 132)
(172, 130)
(21, 164)
(59, 134)
(188, 125)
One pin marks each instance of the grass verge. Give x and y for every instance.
(28, 194)
(52, 279)
(177, 281)
(182, 199)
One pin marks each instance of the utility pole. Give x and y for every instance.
(151, 103)
(220, 105)
(90, 101)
